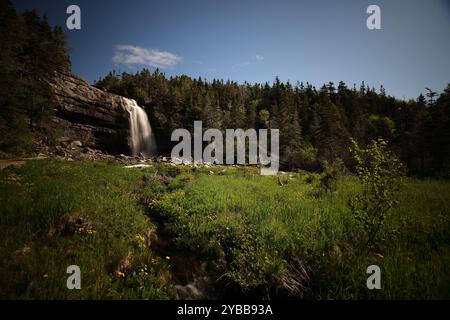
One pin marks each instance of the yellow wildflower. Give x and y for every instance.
(379, 255)
(140, 238)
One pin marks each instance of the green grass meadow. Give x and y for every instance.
(268, 237)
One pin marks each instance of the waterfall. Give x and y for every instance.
(142, 138)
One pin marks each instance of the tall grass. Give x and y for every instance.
(263, 237)
(240, 222)
(55, 214)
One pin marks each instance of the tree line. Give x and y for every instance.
(316, 125)
(30, 52)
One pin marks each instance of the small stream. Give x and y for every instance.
(189, 274)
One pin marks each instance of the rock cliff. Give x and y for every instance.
(96, 118)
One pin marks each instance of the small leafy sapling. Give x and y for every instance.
(380, 172)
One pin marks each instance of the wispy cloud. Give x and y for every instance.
(256, 59)
(242, 64)
(131, 55)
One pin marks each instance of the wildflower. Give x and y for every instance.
(379, 256)
(167, 258)
(13, 179)
(140, 238)
(86, 230)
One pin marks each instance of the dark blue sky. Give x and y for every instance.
(249, 40)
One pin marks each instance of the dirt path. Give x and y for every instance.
(7, 163)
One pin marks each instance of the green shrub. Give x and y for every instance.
(307, 157)
(380, 172)
(331, 174)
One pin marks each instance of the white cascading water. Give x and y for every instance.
(142, 139)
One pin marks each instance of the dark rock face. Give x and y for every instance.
(96, 118)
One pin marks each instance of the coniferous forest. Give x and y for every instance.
(31, 52)
(315, 124)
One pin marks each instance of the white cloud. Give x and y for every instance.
(128, 54)
(256, 59)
